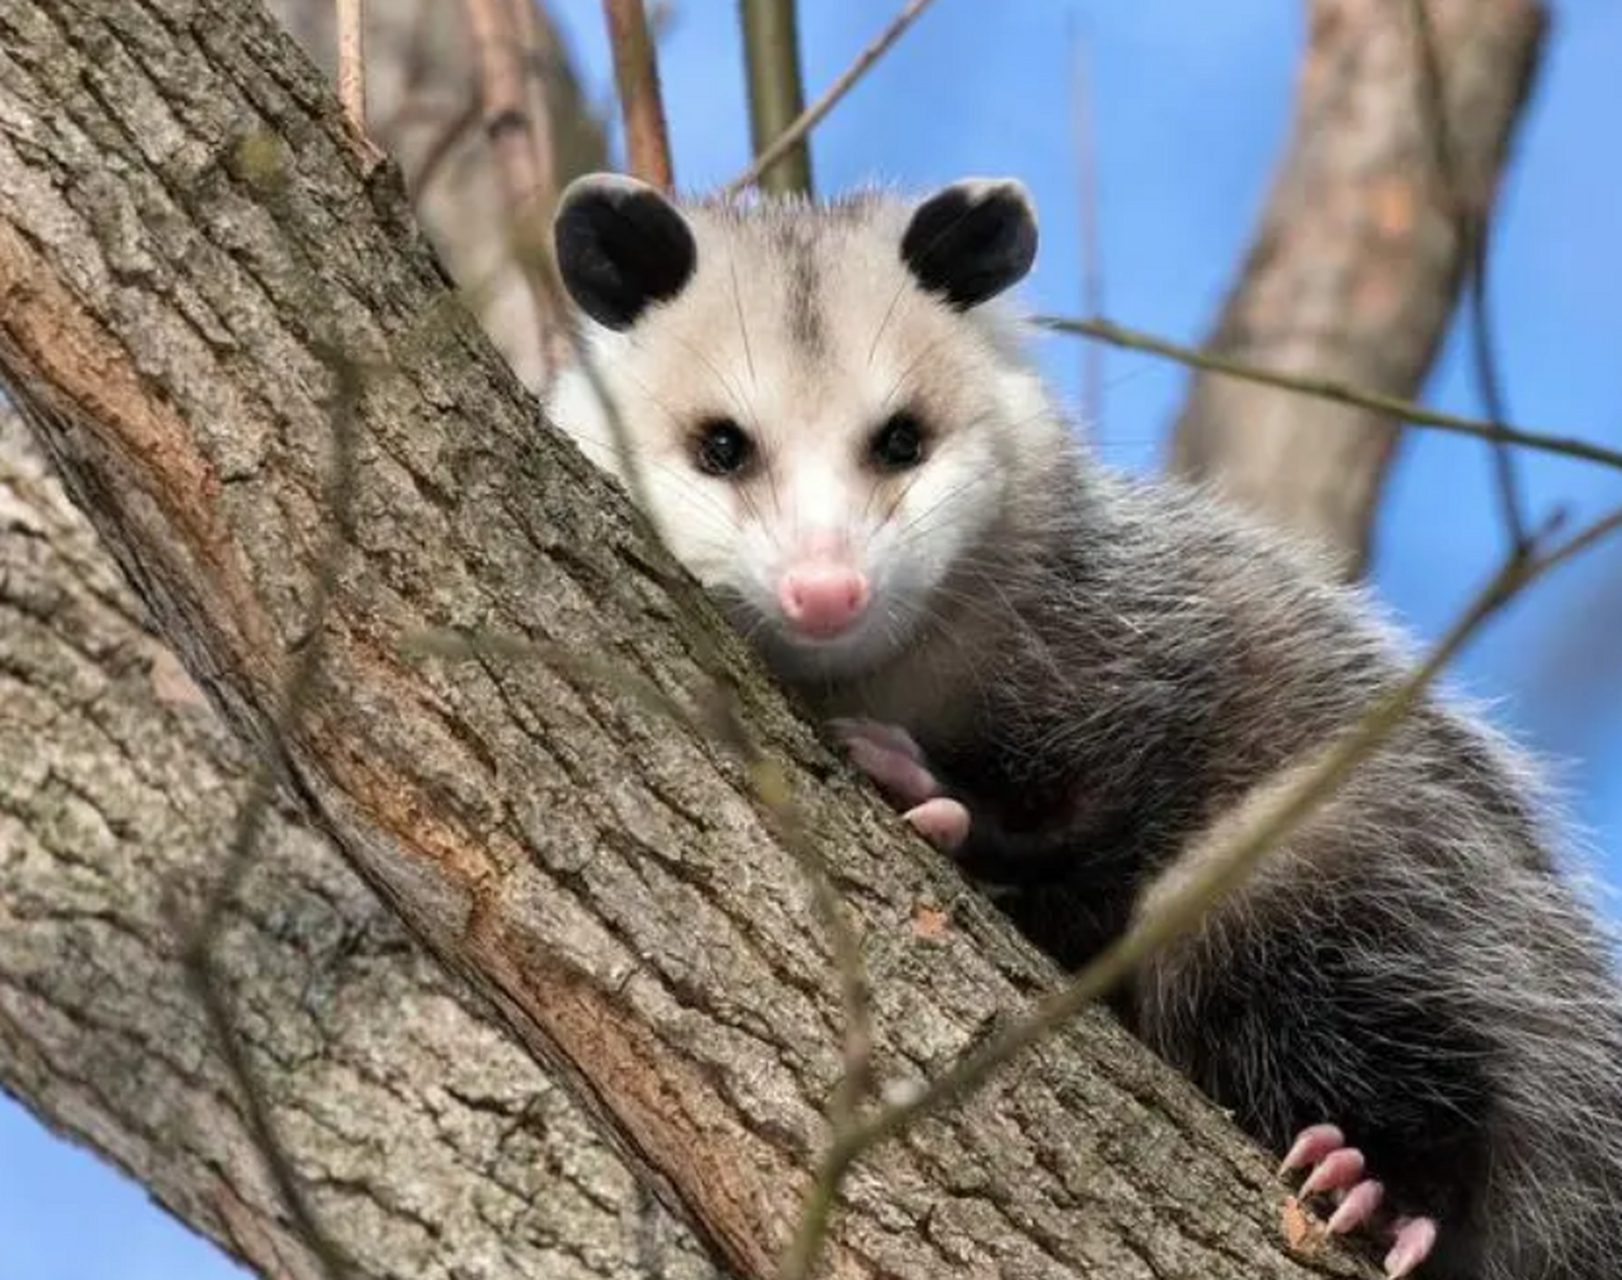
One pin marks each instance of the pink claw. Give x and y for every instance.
(1335, 1172)
(1312, 1145)
(888, 755)
(1358, 1207)
(1416, 1237)
(942, 822)
(891, 736)
(891, 758)
(1339, 1168)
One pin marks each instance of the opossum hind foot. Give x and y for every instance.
(1337, 1170)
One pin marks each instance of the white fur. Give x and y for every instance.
(726, 346)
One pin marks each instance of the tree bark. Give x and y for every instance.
(1357, 264)
(430, 1137)
(195, 263)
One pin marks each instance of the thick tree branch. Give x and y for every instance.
(1357, 265)
(187, 237)
(428, 1141)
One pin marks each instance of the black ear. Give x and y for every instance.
(621, 247)
(971, 240)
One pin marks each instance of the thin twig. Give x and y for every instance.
(197, 956)
(808, 119)
(771, 52)
(1331, 389)
(1182, 909)
(352, 61)
(636, 73)
(1471, 218)
(770, 787)
(1092, 271)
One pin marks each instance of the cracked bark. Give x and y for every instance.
(436, 1125)
(1356, 266)
(184, 230)
(435, 1142)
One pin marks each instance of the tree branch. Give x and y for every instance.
(352, 61)
(636, 75)
(771, 50)
(120, 789)
(793, 136)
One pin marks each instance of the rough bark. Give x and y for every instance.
(186, 234)
(426, 1133)
(492, 1129)
(1357, 263)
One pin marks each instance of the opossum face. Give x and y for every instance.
(810, 399)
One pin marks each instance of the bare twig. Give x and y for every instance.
(1332, 389)
(352, 61)
(808, 119)
(1092, 271)
(636, 73)
(1181, 910)
(1472, 217)
(771, 789)
(771, 51)
(197, 955)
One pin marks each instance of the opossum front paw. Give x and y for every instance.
(943, 822)
(887, 754)
(1338, 1170)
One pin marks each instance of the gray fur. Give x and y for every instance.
(1416, 927)
(1112, 669)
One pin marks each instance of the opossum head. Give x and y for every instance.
(824, 417)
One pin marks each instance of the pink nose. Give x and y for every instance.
(822, 599)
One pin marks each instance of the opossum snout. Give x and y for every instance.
(822, 598)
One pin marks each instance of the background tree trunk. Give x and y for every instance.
(1357, 263)
(175, 282)
(423, 97)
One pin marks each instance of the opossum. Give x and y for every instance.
(1074, 680)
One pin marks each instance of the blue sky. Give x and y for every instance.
(1190, 106)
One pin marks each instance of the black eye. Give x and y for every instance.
(721, 447)
(898, 444)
